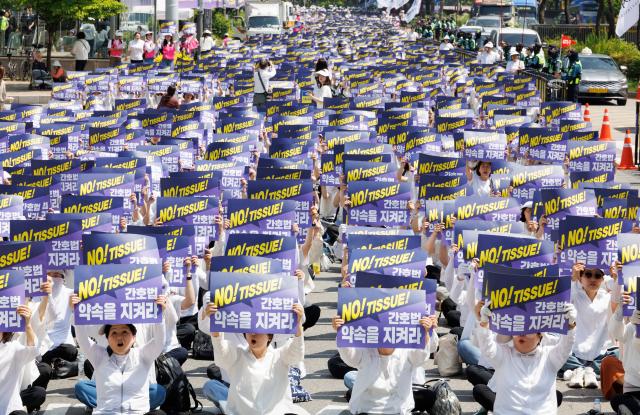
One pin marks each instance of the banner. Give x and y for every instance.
(12, 295)
(527, 304)
(253, 303)
(629, 12)
(117, 294)
(381, 317)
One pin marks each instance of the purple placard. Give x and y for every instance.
(629, 257)
(271, 217)
(117, 294)
(62, 238)
(591, 241)
(396, 262)
(283, 248)
(10, 209)
(370, 280)
(107, 184)
(382, 204)
(253, 303)
(381, 317)
(122, 248)
(527, 304)
(519, 252)
(11, 296)
(31, 259)
(198, 211)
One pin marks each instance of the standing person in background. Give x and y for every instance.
(168, 50)
(262, 73)
(101, 42)
(322, 87)
(446, 44)
(28, 26)
(149, 48)
(4, 25)
(90, 33)
(554, 64)
(206, 41)
(573, 76)
(3, 89)
(11, 28)
(80, 51)
(116, 49)
(136, 48)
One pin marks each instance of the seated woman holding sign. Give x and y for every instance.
(258, 374)
(591, 298)
(13, 358)
(525, 373)
(383, 382)
(121, 370)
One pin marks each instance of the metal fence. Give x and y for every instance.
(578, 31)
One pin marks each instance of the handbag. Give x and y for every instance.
(267, 93)
(447, 358)
(63, 369)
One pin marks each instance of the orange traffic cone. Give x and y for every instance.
(605, 131)
(626, 161)
(587, 113)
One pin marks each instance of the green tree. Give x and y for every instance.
(55, 11)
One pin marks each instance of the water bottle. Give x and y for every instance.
(81, 359)
(597, 407)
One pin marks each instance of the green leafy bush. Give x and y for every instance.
(219, 24)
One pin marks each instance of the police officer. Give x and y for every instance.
(554, 64)
(573, 76)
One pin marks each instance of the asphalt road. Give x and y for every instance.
(328, 393)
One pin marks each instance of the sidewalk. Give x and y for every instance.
(21, 93)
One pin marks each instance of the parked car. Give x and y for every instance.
(602, 78)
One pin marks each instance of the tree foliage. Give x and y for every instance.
(53, 12)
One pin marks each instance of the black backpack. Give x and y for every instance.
(169, 374)
(202, 346)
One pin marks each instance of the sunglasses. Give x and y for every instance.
(591, 274)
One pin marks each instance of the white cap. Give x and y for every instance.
(447, 37)
(324, 72)
(119, 33)
(149, 32)
(513, 52)
(488, 45)
(528, 204)
(56, 63)
(206, 31)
